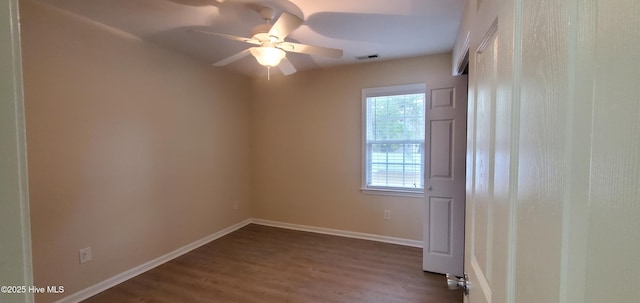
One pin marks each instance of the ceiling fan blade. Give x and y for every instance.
(284, 25)
(286, 67)
(311, 50)
(235, 57)
(230, 37)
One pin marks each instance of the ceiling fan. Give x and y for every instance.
(271, 48)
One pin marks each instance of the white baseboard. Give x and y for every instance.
(341, 233)
(115, 280)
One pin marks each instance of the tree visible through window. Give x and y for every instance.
(394, 138)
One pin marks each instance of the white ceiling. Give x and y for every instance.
(391, 28)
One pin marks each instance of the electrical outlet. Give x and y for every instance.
(85, 255)
(387, 214)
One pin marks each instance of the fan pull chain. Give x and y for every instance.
(268, 73)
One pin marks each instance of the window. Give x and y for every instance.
(393, 140)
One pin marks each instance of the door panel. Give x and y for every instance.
(611, 220)
(479, 248)
(441, 150)
(445, 176)
(440, 220)
(442, 98)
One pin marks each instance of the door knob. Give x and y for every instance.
(454, 283)
(430, 188)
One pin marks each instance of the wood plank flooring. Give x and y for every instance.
(266, 264)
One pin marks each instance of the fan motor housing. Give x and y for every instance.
(267, 13)
(261, 29)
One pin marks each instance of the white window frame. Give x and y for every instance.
(418, 88)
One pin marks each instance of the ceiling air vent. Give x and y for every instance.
(368, 57)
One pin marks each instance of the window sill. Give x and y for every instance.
(392, 192)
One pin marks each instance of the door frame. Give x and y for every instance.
(14, 210)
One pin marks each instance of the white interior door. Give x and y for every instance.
(552, 155)
(491, 144)
(445, 176)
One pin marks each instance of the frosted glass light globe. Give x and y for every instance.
(268, 56)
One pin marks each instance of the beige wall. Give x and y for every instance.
(137, 151)
(306, 148)
(133, 150)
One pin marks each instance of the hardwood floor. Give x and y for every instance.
(266, 264)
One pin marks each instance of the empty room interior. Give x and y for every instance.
(322, 151)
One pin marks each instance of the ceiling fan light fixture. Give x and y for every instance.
(268, 56)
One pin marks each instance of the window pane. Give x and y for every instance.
(395, 117)
(396, 165)
(395, 141)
